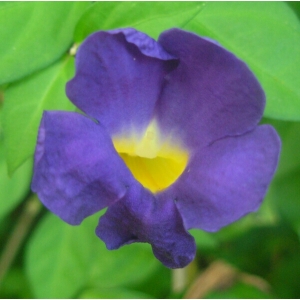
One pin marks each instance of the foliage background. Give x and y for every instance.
(42, 257)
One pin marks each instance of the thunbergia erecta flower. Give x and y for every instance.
(169, 141)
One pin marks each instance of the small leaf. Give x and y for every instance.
(35, 34)
(24, 103)
(62, 260)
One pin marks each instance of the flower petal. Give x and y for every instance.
(210, 95)
(146, 44)
(140, 217)
(228, 179)
(118, 78)
(77, 171)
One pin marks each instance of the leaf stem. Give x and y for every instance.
(181, 278)
(31, 209)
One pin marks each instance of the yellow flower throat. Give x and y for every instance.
(154, 162)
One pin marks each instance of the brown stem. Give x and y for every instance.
(216, 275)
(20, 231)
(222, 275)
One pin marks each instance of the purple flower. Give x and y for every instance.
(169, 141)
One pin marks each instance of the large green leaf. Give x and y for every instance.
(128, 265)
(150, 17)
(24, 104)
(34, 35)
(62, 260)
(266, 35)
(58, 258)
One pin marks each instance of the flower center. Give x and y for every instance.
(155, 162)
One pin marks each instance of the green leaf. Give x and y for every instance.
(130, 264)
(35, 34)
(14, 189)
(204, 240)
(58, 258)
(15, 285)
(24, 104)
(284, 190)
(257, 250)
(62, 260)
(239, 290)
(265, 216)
(285, 277)
(284, 193)
(150, 17)
(290, 155)
(266, 35)
(157, 284)
(113, 293)
(295, 5)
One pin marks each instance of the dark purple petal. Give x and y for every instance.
(140, 217)
(77, 171)
(119, 77)
(210, 95)
(228, 179)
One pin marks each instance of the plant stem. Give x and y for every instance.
(31, 209)
(181, 278)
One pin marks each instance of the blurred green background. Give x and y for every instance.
(42, 257)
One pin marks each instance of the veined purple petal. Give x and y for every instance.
(210, 95)
(119, 77)
(77, 171)
(227, 180)
(140, 217)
